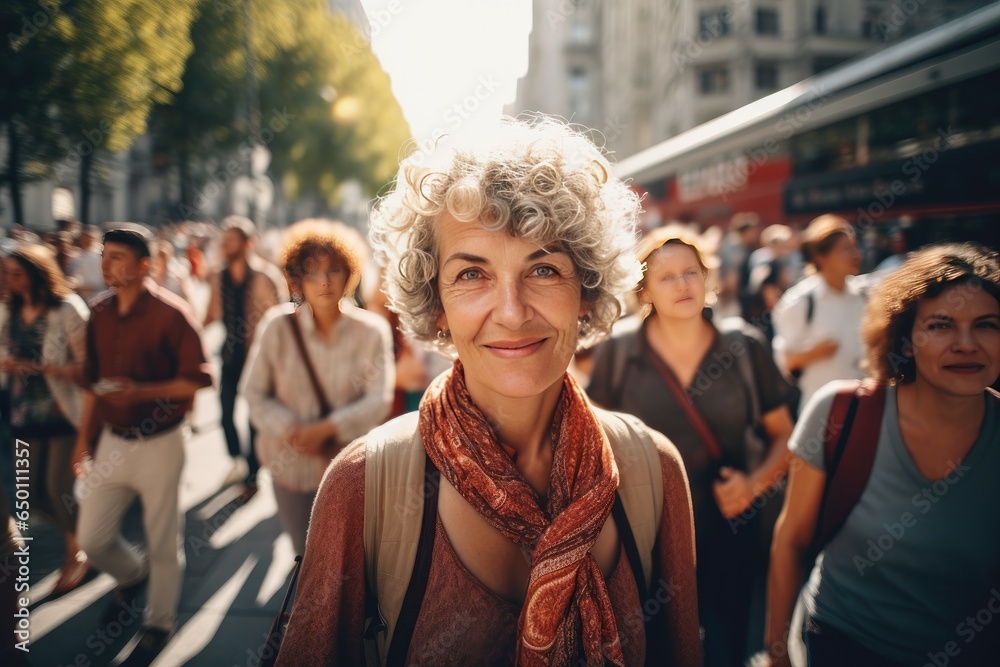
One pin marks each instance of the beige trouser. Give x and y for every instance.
(151, 469)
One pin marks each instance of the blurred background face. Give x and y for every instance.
(233, 245)
(843, 258)
(121, 266)
(512, 309)
(324, 283)
(17, 278)
(674, 282)
(956, 340)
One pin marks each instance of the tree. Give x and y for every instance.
(36, 36)
(347, 123)
(123, 56)
(311, 69)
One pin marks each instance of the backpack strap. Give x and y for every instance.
(394, 500)
(631, 550)
(397, 491)
(853, 429)
(640, 485)
(406, 622)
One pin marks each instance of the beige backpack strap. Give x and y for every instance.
(640, 484)
(394, 503)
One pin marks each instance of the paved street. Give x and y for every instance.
(238, 565)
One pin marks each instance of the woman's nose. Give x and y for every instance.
(511, 310)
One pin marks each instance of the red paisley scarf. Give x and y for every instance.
(567, 604)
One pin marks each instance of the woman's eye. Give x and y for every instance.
(937, 326)
(470, 274)
(988, 325)
(690, 274)
(545, 272)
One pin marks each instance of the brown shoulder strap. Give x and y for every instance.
(684, 401)
(324, 405)
(853, 429)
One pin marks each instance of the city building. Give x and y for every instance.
(652, 69)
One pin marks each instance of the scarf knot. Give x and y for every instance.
(567, 608)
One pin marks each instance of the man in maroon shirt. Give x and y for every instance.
(144, 363)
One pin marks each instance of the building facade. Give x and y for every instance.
(666, 66)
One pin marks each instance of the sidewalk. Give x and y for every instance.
(238, 564)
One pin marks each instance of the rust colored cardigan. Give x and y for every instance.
(461, 622)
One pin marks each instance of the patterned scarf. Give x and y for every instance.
(567, 604)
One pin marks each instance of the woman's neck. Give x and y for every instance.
(522, 424)
(325, 319)
(679, 333)
(922, 403)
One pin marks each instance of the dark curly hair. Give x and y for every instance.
(887, 327)
(309, 241)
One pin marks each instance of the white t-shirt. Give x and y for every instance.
(836, 315)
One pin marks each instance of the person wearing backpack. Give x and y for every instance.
(716, 392)
(507, 521)
(816, 337)
(894, 482)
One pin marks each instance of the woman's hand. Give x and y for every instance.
(311, 439)
(824, 349)
(733, 493)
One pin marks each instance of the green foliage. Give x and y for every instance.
(35, 40)
(307, 65)
(347, 122)
(124, 56)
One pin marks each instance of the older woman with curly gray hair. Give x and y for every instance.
(508, 521)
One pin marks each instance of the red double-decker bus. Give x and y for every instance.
(909, 131)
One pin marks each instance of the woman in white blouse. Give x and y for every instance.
(351, 354)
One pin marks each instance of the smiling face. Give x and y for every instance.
(674, 282)
(512, 309)
(956, 340)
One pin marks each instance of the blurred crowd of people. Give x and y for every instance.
(725, 343)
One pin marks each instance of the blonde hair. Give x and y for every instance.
(672, 234)
(535, 178)
(821, 235)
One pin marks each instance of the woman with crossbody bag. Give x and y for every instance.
(321, 372)
(678, 373)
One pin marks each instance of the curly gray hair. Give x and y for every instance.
(538, 179)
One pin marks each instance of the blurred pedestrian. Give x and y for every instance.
(85, 270)
(241, 293)
(734, 256)
(682, 376)
(908, 568)
(816, 322)
(42, 346)
(320, 374)
(510, 252)
(144, 364)
(164, 270)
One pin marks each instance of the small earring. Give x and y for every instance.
(907, 350)
(442, 338)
